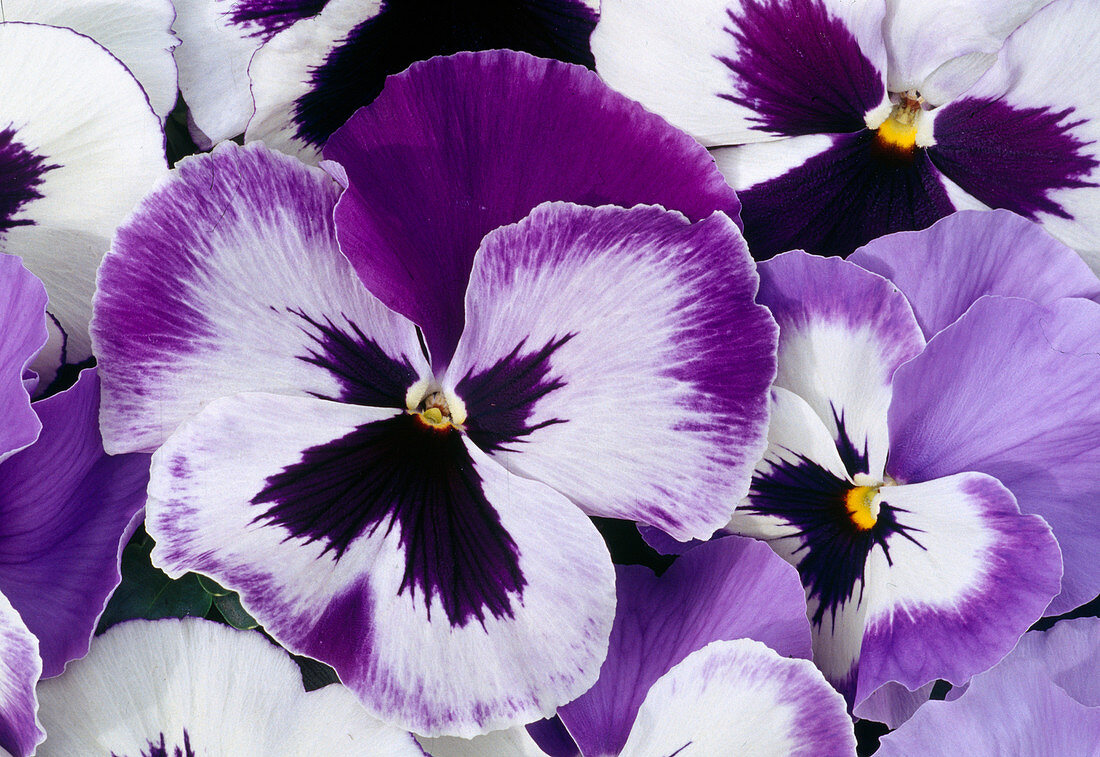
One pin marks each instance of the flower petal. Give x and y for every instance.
(456, 147)
(944, 269)
(308, 80)
(513, 742)
(450, 595)
(22, 335)
(20, 667)
(730, 588)
(733, 71)
(739, 697)
(95, 147)
(617, 355)
(1069, 652)
(1009, 390)
(228, 279)
(175, 686)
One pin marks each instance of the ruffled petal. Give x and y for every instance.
(20, 667)
(944, 269)
(451, 596)
(1009, 390)
(195, 687)
(618, 356)
(456, 147)
(22, 335)
(228, 279)
(734, 71)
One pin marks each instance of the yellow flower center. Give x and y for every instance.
(898, 133)
(435, 407)
(860, 503)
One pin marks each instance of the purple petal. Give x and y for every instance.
(66, 510)
(730, 588)
(22, 335)
(1068, 652)
(228, 279)
(20, 667)
(420, 569)
(269, 17)
(944, 269)
(456, 147)
(618, 356)
(1009, 390)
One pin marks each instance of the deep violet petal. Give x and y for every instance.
(269, 17)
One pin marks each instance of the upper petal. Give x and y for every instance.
(228, 279)
(456, 147)
(617, 355)
(22, 335)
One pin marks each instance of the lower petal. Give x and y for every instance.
(20, 668)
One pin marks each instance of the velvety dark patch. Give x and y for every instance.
(367, 375)
(1009, 157)
(854, 460)
(843, 198)
(20, 176)
(799, 69)
(406, 31)
(500, 400)
(834, 555)
(401, 472)
(158, 749)
(267, 18)
(553, 738)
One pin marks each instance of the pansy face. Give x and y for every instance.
(861, 119)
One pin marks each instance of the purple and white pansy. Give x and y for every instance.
(900, 459)
(192, 687)
(839, 122)
(403, 493)
(294, 71)
(79, 145)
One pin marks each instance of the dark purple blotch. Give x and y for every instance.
(159, 749)
(267, 18)
(500, 399)
(842, 198)
(799, 69)
(401, 472)
(366, 374)
(834, 552)
(406, 31)
(1011, 158)
(20, 177)
(855, 461)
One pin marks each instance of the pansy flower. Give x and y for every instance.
(79, 145)
(907, 425)
(863, 118)
(402, 493)
(293, 71)
(66, 509)
(192, 687)
(1042, 699)
(699, 656)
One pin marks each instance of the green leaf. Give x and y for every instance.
(229, 605)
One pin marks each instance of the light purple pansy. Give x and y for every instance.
(66, 509)
(702, 660)
(1042, 699)
(408, 502)
(294, 71)
(900, 460)
(839, 122)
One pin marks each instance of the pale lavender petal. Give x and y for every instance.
(22, 335)
(1009, 389)
(892, 703)
(20, 667)
(1068, 652)
(456, 147)
(618, 356)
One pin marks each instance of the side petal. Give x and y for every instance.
(730, 588)
(1068, 652)
(1009, 390)
(22, 334)
(944, 269)
(617, 355)
(308, 80)
(514, 742)
(195, 687)
(88, 147)
(739, 697)
(1026, 137)
(456, 147)
(228, 279)
(20, 667)
(842, 334)
(734, 71)
(451, 596)
(66, 511)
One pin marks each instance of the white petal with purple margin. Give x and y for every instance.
(485, 606)
(20, 667)
(196, 687)
(97, 148)
(617, 355)
(22, 334)
(228, 279)
(740, 697)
